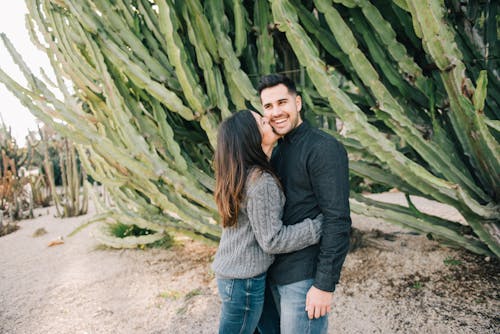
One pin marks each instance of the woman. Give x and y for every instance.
(250, 203)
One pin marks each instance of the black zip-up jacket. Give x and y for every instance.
(313, 169)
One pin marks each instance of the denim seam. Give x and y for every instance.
(245, 317)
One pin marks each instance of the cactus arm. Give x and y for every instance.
(404, 217)
(232, 66)
(180, 59)
(356, 122)
(396, 117)
(240, 26)
(438, 39)
(264, 43)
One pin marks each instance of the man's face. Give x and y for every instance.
(282, 108)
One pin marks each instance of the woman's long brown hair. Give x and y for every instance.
(238, 152)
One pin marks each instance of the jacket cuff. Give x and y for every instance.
(324, 281)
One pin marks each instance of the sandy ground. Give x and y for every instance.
(398, 282)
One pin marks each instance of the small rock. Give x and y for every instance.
(39, 232)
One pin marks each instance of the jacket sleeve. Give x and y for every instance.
(329, 175)
(264, 209)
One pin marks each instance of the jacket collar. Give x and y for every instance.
(296, 133)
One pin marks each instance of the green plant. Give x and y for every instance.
(450, 261)
(417, 285)
(411, 88)
(193, 293)
(170, 294)
(121, 230)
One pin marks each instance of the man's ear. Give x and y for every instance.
(298, 102)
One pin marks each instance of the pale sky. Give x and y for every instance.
(12, 23)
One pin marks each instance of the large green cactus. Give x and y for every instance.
(146, 83)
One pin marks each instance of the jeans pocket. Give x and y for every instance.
(225, 289)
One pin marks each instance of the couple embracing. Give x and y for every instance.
(285, 215)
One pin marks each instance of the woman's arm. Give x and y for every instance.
(264, 211)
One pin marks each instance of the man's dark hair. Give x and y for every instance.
(272, 80)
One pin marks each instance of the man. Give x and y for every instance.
(313, 169)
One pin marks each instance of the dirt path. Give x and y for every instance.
(399, 283)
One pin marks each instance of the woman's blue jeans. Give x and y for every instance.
(242, 302)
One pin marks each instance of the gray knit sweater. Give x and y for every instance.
(245, 250)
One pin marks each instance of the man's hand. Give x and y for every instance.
(318, 302)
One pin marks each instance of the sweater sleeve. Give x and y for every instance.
(265, 209)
